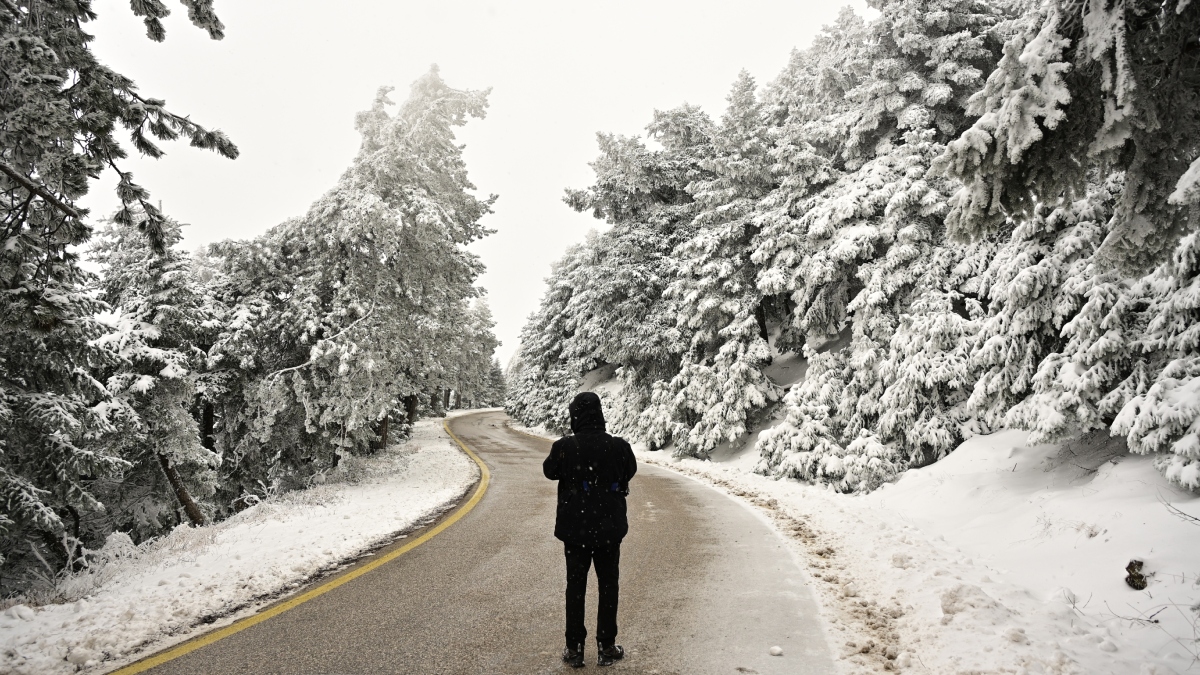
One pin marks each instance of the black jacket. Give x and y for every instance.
(593, 470)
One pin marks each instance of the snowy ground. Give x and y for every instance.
(1002, 558)
(147, 597)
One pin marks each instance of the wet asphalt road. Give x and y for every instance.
(706, 587)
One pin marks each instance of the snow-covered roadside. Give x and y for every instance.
(151, 596)
(1001, 558)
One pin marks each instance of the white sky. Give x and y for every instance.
(289, 76)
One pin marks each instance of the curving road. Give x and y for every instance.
(706, 587)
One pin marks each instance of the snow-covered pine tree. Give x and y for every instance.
(338, 315)
(808, 112)
(495, 389)
(1162, 415)
(548, 365)
(808, 445)
(54, 414)
(475, 367)
(926, 377)
(718, 303)
(58, 123)
(621, 315)
(1042, 290)
(1091, 94)
(158, 328)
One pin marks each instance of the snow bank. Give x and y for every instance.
(146, 597)
(1001, 558)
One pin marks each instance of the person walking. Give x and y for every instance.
(593, 470)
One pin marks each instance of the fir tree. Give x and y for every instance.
(158, 327)
(718, 303)
(340, 314)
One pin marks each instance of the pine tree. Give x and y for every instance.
(620, 314)
(1162, 414)
(475, 367)
(1079, 141)
(808, 109)
(58, 121)
(494, 391)
(54, 414)
(548, 367)
(1042, 288)
(158, 326)
(870, 247)
(718, 303)
(964, 214)
(339, 315)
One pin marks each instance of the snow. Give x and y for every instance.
(1188, 188)
(1003, 557)
(143, 598)
(601, 380)
(786, 370)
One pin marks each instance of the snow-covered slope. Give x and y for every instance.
(970, 565)
(150, 596)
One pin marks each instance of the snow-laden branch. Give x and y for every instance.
(331, 338)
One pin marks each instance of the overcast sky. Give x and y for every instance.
(289, 76)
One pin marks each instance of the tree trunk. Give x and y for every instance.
(457, 399)
(383, 431)
(181, 493)
(446, 399)
(411, 402)
(760, 315)
(207, 423)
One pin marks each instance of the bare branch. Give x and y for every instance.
(1185, 517)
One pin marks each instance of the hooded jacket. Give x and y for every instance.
(593, 470)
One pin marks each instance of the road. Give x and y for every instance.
(706, 587)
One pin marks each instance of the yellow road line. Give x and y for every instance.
(238, 626)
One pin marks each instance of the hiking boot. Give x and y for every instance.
(606, 656)
(573, 656)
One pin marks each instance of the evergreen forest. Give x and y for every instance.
(951, 217)
(174, 388)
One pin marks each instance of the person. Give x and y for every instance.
(593, 470)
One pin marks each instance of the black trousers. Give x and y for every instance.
(608, 571)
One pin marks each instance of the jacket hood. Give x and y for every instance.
(586, 414)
